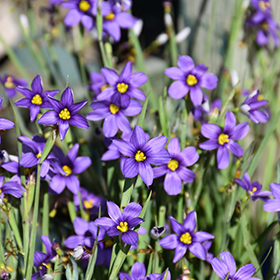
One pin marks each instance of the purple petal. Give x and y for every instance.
(25, 91)
(272, 205)
(36, 85)
(196, 95)
(113, 29)
(209, 81)
(211, 131)
(87, 22)
(73, 17)
(125, 148)
(138, 79)
(198, 250)
(172, 183)
(222, 157)
(113, 211)
(155, 145)
(6, 124)
(24, 102)
(138, 271)
(178, 89)
(106, 94)
(199, 70)
(160, 171)
(104, 222)
(49, 118)
(185, 63)
(125, 20)
(201, 236)
(146, 173)
(133, 109)
(73, 152)
(80, 226)
(209, 145)
(126, 73)
(174, 73)
(159, 158)
(125, 276)
(190, 222)
(110, 127)
(81, 164)
(34, 111)
(138, 138)
(220, 268)
(190, 156)
(134, 222)
(186, 174)
(230, 122)
(63, 128)
(229, 261)
(130, 237)
(110, 75)
(57, 184)
(132, 210)
(240, 131)
(235, 148)
(137, 94)
(275, 189)
(176, 226)
(29, 160)
(73, 241)
(179, 252)
(67, 97)
(169, 242)
(74, 108)
(245, 272)
(174, 147)
(39, 258)
(73, 184)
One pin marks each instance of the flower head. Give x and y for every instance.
(226, 268)
(223, 139)
(185, 238)
(273, 205)
(67, 167)
(140, 154)
(12, 187)
(122, 223)
(114, 114)
(189, 79)
(4, 124)
(175, 169)
(98, 82)
(124, 86)
(10, 83)
(65, 113)
(35, 99)
(253, 189)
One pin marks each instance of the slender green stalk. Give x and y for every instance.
(14, 227)
(34, 225)
(83, 215)
(71, 210)
(57, 268)
(46, 217)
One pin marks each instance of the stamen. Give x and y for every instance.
(114, 109)
(64, 114)
(9, 83)
(191, 80)
(84, 6)
(139, 156)
(67, 170)
(88, 203)
(186, 238)
(110, 16)
(37, 100)
(123, 227)
(38, 155)
(122, 88)
(173, 164)
(223, 138)
(104, 87)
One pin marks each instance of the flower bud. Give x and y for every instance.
(47, 277)
(137, 28)
(162, 39)
(156, 232)
(78, 252)
(167, 19)
(183, 35)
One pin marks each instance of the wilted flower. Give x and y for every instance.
(65, 113)
(122, 223)
(223, 139)
(253, 189)
(124, 86)
(157, 232)
(190, 78)
(141, 154)
(10, 83)
(35, 99)
(78, 252)
(273, 205)
(186, 238)
(226, 268)
(175, 169)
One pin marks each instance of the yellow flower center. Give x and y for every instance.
(122, 88)
(263, 5)
(191, 80)
(110, 16)
(123, 227)
(37, 100)
(84, 6)
(260, 97)
(186, 238)
(109, 243)
(264, 26)
(139, 156)
(9, 83)
(173, 164)
(88, 203)
(65, 114)
(254, 189)
(38, 155)
(0, 191)
(223, 138)
(114, 109)
(67, 170)
(104, 87)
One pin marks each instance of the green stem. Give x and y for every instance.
(46, 217)
(81, 206)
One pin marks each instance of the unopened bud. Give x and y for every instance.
(47, 277)
(162, 39)
(156, 232)
(167, 19)
(137, 28)
(78, 252)
(183, 35)
(234, 78)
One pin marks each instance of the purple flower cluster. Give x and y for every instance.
(10, 83)
(223, 139)
(185, 238)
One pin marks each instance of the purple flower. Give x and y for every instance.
(122, 223)
(98, 82)
(254, 189)
(41, 259)
(141, 154)
(4, 124)
(226, 268)
(35, 98)
(81, 11)
(273, 205)
(190, 78)
(90, 201)
(263, 9)
(175, 169)
(10, 84)
(114, 115)
(12, 187)
(32, 153)
(222, 139)
(186, 238)
(157, 276)
(70, 166)
(115, 19)
(250, 107)
(124, 86)
(65, 113)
